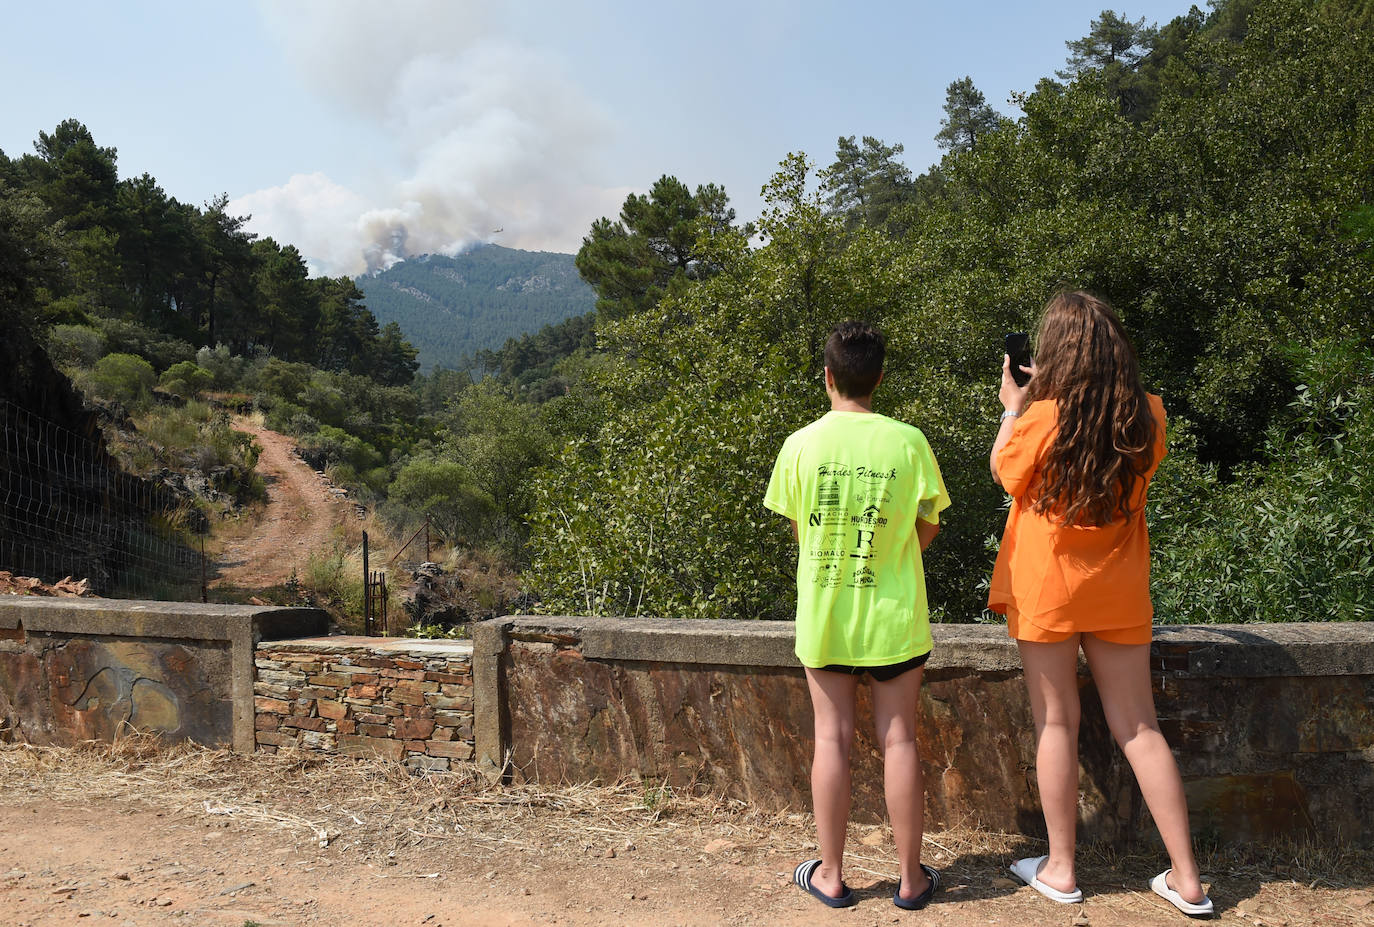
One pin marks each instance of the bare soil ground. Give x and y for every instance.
(299, 518)
(135, 836)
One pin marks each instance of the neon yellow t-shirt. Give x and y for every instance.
(855, 483)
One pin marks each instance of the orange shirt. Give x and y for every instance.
(1067, 578)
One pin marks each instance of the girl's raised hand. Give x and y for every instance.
(1012, 396)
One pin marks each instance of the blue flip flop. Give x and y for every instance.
(802, 876)
(923, 899)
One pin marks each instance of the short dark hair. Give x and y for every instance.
(854, 353)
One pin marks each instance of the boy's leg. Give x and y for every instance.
(1122, 674)
(1051, 671)
(894, 720)
(832, 703)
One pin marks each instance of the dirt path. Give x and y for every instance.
(136, 866)
(300, 516)
(194, 837)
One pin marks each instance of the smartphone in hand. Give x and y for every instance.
(1018, 347)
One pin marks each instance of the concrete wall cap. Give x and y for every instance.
(1253, 650)
(135, 618)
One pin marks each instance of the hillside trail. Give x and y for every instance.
(299, 519)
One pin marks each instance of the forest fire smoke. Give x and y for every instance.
(490, 138)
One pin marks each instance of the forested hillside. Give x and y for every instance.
(452, 307)
(166, 315)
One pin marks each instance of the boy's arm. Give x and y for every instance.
(925, 532)
(795, 535)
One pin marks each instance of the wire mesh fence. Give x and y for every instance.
(68, 509)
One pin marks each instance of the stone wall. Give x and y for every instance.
(87, 669)
(1272, 724)
(407, 700)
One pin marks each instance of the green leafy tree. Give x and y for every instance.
(436, 389)
(1111, 40)
(968, 117)
(154, 238)
(632, 262)
(1288, 540)
(282, 379)
(30, 254)
(92, 285)
(75, 345)
(225, 260)
(394, 361)
(74, 176)
(76, 180)
(476, 486)
(441, 490)
(348, 458)
(1133, 60)
(282, 316)
(347, 331)
(866, 182)
(544, 364)
(657, 510)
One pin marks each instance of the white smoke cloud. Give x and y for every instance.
(493, 137)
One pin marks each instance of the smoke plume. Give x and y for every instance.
(497, 144)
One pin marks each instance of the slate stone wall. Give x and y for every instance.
(89, 669)
(65, 690)
(1272, 725)
(407, 700)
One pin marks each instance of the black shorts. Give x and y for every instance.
(879, 673)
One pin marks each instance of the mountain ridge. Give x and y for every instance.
(451, 307)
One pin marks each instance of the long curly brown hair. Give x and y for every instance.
(1103, 446)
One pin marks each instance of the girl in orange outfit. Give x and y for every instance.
(1076, 450)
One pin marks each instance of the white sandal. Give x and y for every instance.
(1160, 885)
(1028, 870)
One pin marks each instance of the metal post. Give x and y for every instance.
(204, 592)
(367, 592)
(426, 539)
(381, 602)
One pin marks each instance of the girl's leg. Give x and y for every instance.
(1051, 671)
(894, 720)
(1122, 674)
(832, 703)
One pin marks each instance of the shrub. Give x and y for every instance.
(158, 348)
(226, 368)
(75, 345)
(186, 379)
(200, 437)
(124, 378)
(335, 448)
(1288, 540)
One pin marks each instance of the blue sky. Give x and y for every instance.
(362, 130)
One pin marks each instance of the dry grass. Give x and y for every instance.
(379, 809)
(375, 805)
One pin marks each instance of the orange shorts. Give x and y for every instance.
(1023, 630)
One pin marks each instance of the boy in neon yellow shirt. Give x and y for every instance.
(864, 494)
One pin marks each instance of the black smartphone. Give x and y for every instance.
(1018, 347)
